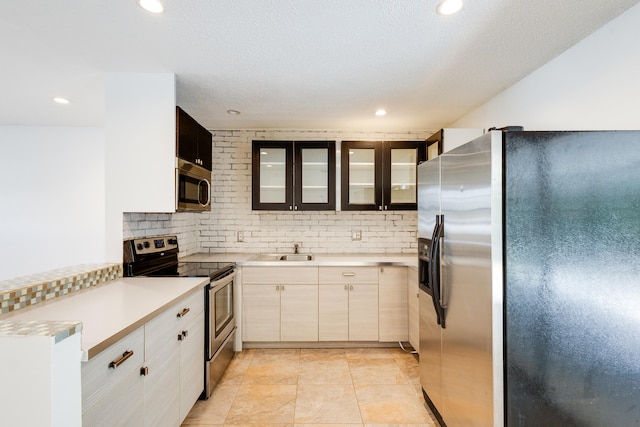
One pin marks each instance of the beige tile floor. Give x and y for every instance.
(312, 387)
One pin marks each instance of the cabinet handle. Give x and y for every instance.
(127, 354)
(182, 335)
(381, 269)
(277, 287)
(351, 287)
(144, 371)
(385, 207)
(348, 274)
(282, 287)
(346, 287)
(183, 312)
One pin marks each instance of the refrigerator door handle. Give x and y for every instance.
(439, 247)
(431, 271)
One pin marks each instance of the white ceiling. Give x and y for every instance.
(312, 64)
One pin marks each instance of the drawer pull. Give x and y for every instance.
(127, 354)
(348, 274)
(182, 335)
(183, 312)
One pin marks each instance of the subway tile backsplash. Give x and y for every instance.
(276, 231)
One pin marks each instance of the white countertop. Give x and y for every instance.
(346, 259)
(111, 311)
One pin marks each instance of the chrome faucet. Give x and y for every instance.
(296, 247)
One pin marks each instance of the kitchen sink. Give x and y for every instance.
(296, 257)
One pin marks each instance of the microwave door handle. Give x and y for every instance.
(208, 192)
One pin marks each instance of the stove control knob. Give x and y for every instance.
(139, 246)
(172, 241)
(146, 244)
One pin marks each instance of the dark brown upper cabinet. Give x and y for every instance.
(294, 175)
(380, 175)
(194, 143)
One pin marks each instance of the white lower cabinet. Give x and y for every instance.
(348, 304)
(151, 377)
(280, 304)
(414, 314)
(112, 388)
(394, 318)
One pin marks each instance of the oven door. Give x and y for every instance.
(221, 315)
(193, 187)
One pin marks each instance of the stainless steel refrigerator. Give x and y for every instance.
(529, 248)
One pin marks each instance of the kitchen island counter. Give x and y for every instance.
(110, 311)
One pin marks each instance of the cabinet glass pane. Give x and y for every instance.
(362, 176)
(403, 175)
(273, 175)
(315, 175)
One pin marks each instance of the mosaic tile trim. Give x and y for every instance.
(29, 290)
(53, 328)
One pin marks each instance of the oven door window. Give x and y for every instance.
(193, 190)
(223, 307)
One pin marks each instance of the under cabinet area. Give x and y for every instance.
(348, 304)
(324, 304)
(280, 304)
(394, 317)
(151, 377)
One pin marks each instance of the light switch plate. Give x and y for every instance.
(356, 234)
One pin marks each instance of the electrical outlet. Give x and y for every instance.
(356, 234)
(240, 236)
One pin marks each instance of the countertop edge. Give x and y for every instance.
(108, 342)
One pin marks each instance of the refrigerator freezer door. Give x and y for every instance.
(572, 271)
(430, 337)
(467, 342)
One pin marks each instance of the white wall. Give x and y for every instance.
(52, 189)
(595, 85)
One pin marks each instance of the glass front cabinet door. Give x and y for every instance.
(380, 175)
(293, 176)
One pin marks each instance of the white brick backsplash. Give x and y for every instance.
(275, 231)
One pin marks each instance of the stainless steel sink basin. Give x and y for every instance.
(296, 257)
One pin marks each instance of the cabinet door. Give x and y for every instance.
(400, 177)
(315, 175)
(272, 175)
(299, 312)
(333, 314)
(191, 364)
(414, 314)
(361, 175)
(363, 312)
(187, 136)
(393, 307)
(162, 380)
(261, 313)
(205, 148)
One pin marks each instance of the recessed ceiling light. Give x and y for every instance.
(153, 6)
(233, 112)
(61, 100)
(449, 7)
(381, 112)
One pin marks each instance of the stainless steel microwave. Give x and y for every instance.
(193, 187)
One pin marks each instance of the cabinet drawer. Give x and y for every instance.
(191, 306)
(280, 275)
(348, 275)
(99, 379)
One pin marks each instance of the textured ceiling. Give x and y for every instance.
(284, 63)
